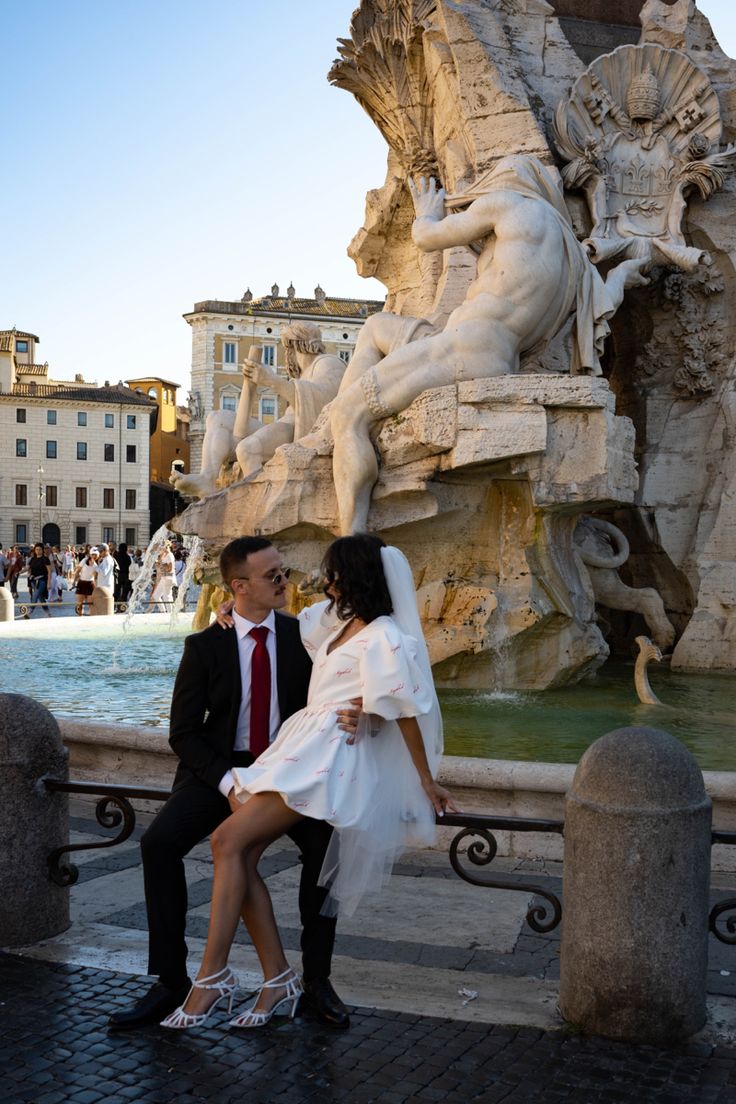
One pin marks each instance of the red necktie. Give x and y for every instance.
(260, 692)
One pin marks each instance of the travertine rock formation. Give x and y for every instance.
(482, 483)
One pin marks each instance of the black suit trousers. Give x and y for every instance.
(191, 814)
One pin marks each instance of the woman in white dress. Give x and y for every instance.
(376, 788)
(161, 595)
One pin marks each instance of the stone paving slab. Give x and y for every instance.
(55, 1049)
(491, 923)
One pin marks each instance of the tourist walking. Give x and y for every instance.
(39, 577)
(84, 580)
(227, 701)
(69, 564)
(161, 595)
(13, 569)
(104, 575)
(379, 794)
(123, 584)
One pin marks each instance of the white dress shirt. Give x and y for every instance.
(246, 644)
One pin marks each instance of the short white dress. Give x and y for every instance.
(369, 790)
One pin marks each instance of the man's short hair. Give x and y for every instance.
(234, 555)
(305, 337)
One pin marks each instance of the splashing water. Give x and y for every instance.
(196, 557)
(139, 594)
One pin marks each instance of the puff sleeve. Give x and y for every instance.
(316, 624)
(393, 684)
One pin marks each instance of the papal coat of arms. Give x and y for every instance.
(639, 129)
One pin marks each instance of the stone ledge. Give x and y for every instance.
(141, 756)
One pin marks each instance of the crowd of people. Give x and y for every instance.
(47, 572)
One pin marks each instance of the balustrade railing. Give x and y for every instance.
(475, 844)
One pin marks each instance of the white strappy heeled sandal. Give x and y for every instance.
(288, 980)
(224, 981)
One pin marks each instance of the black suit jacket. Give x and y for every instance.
(207, 694)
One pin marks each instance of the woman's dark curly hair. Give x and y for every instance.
(354, 565)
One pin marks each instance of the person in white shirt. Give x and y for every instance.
(84, 578)
(104, 572)
(161, 595)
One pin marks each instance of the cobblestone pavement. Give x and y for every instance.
(55, 1049)
(413, 1039)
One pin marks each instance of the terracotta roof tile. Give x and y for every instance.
(114, 394)
(19, 333)
(32, 369)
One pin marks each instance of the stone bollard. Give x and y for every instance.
(103, 601)
(7, 606)
(636, 883)
(32, 822)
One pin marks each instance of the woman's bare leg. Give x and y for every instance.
(237, 845)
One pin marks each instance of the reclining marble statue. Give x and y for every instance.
(314, 379)
(532, 276)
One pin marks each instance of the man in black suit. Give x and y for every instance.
(210, 733)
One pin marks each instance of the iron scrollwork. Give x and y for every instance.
(111, 811)
(541, 917)
(729, 935)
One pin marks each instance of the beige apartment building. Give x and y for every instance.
(223, 333)
(74, 457)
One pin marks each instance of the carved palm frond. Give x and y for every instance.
(708, 174)
(569, 142)
(577, 172)
(382, 64)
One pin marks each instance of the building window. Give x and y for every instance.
(268, 356)
(109, 452)
(344, 355)
(130, 499)
(21, 346)
(109, 421)
(80, 497)
(21, 534)
(21, 494)
(51, 450)
(229, 353)
(81, 450)
(130, 454)
(81, 418)
(52, 496)
(152, 393)
(268, 410)
(131, 421)
(130, 537)
(108, 533)
(50, 417)
(20, 414)
(21, 446)
(108, 498)
(80, 533)
(229, 402)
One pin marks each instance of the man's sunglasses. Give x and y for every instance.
(277, 578)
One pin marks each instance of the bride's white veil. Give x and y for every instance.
(400, 582)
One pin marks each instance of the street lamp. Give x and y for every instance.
(40, 502)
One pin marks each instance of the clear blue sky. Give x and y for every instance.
(158, 152)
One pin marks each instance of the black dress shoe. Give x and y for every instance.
(321, 1000)
(154, 1006)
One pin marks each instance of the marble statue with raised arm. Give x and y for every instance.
(314, 379)
(532, 275)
